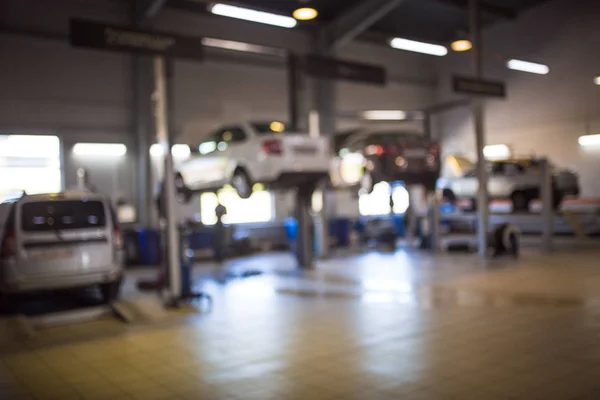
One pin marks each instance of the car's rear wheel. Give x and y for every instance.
(557, 199)
(520, 201)
(241, 183)
(182, 192)
(110, 291)
(448, 196)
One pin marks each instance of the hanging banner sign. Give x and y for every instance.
(325, 67)
(83, 33)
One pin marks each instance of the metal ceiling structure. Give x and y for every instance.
(439, 21)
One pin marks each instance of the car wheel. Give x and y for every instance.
(448, 196)
(110, 291)
(366, 182)
(241, 183)
(557, 199)
(520, 201)
(182, 192)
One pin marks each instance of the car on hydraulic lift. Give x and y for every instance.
(60, 241)
(517, 179)
(366, 157)
(247, 153)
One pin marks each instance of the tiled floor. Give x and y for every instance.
(392, 326)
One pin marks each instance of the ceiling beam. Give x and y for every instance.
(486, 8)
(356, 20)
(146, 10)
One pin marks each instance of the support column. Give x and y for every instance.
(142, 93)
(162, 80)
(323, 101)
(305, 234)
(547, 208)
(297, 114)
(478, 120)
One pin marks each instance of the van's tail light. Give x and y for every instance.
(117, 238)
(434, 149)
(272, 147)
(9, 245)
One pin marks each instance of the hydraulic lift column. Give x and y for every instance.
(478, 120)
(305, 234)
(165, 140)
(546, 193)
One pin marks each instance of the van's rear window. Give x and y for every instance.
(62, 215)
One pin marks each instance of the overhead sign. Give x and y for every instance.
(83, 33)
(325, 67)
(478, 87)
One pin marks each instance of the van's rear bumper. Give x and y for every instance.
(19, 283)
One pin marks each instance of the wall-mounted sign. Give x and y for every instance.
(96, 35)
(325, 67)
(478, 87)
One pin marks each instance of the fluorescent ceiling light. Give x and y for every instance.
(496, 151)
(248, 14)
(241, 46)
(178, 150)
(384, 115)
(100, 149)
(526, 66)
(305, 13)
(418, 47)
(589, 140)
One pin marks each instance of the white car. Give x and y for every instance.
(515, 179)
(254, 152)
(59, 241)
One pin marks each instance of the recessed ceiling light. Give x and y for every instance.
(597, 80)
(419, 47)
(305, 13)
(249, 14)
(461, 45)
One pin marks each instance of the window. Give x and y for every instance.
(258, 208)
(62, 215)
(270, 127)
(221, 139)
(378, 202)
(30, 164)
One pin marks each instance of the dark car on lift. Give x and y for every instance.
(365, 157)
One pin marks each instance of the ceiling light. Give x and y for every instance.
(305, 14)
(418, 47)
(597, 80)
(248, 14)
(100, 149)
(498, 151)
(384, 115)
(589, 140)
(526, 66)
(461, 45)
(241, 46)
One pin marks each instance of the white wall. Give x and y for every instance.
(543, 114)
(86, 95)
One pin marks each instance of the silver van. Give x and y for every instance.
(58, 241)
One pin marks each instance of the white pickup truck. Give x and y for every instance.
(254, 152)
(515, 179)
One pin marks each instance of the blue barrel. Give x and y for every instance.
(148, 246)
(339, 228)
(291, 228)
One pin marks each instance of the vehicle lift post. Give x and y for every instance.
(546, 193)
(305, 235)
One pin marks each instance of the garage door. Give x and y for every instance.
(29, 163)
